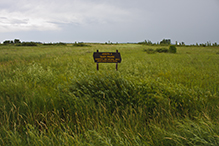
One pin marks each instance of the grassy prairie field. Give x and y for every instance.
(53, 95)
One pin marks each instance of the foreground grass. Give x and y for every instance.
(55, 96)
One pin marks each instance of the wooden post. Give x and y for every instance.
(97, 63)
(97, 66)
(116, 63)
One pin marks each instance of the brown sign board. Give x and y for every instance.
(107, 57)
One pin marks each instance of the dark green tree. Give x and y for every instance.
(165, 42)
(7, 42)
(17, 41)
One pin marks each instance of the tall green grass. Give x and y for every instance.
(53, 95)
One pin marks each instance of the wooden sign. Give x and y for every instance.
(107, 57)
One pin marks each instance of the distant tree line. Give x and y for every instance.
(27, 44)
(56, 44)
(17, 42)
(163, 42)
(207, 44)
(168, 42)
(80, 44)
(145, 42)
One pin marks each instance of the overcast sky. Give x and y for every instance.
(188, 21)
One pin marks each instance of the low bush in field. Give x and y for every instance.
(159, 50)
(80, 44)
(27, 44)
(61, 44)
(149, 51)
(55, 44)
(162, 50)
(172, 49)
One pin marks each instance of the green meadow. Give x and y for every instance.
(53, 95)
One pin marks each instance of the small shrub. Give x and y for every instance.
(61, 44)
(56, 44)
(27, 44)
(172, 49)
(80, 44)
(162, 50)
(150, 51)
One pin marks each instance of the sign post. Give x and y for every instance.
(107, 57)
